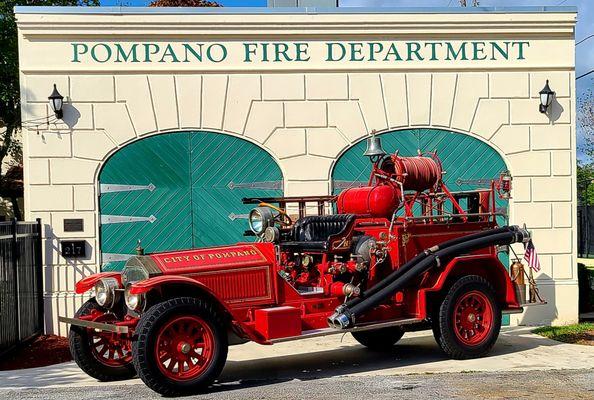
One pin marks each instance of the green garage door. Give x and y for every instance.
(180, 190)
(468, 162)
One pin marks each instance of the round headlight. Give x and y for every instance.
(260, 219)
(105, 292)
(134, 302)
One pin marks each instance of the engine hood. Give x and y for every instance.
(204, 260)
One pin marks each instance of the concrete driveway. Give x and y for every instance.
(336, 356)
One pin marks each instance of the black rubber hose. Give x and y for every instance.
(426, 253)
(348, 315)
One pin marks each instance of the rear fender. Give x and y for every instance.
(487, 266)
(162, 281)
(86, 284)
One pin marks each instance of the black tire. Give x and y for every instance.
(480, 338)
(144, 347)
(84, 357)
(379, 339)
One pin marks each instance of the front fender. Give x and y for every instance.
(146, 285)
(86, 284)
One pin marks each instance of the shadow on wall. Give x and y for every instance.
(58, 284)
(555, 110)
(71, 115)
(542, 314)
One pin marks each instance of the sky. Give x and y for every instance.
(584, 28)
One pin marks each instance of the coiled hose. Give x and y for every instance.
(345, 315)
(426, 253)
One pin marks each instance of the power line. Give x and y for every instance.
(586, 74)
(584, 39)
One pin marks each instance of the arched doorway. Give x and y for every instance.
(180, 190)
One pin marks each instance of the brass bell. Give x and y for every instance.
(374, 150)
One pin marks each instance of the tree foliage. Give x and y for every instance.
(183, 3)
(585, 167)
(10, 106)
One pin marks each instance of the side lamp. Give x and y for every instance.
(546, 98)
(56, 101)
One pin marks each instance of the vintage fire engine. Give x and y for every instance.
(401, 253)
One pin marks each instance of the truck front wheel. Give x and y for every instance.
(103, 355)
(181, 347)
(469, 319)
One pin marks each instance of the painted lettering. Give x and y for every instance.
(78, 49)
(478, 51)
(452, 54)
(101, 56)
(330, 48)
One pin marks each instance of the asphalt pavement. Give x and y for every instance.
(522, 365)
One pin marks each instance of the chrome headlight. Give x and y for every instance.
(134, 302)
(133, 273)
(105, 292)
(260, 218)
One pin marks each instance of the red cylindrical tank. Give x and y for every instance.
(376, 201)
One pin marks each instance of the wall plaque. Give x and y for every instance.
(74, 225)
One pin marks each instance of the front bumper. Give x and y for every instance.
(95, 325)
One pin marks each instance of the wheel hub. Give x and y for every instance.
(184, 347)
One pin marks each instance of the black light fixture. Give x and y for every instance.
(546, 98)
(374, 150)
(56, 100)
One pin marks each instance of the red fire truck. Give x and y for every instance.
(401, 253)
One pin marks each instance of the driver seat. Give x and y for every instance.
(318, 232)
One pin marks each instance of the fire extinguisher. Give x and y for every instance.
(517, 277)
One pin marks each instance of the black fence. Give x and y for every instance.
(21, 283)
(585, 219)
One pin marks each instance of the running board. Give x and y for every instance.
(521, 309)
(333, 331)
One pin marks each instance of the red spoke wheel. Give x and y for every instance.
(473, 318)
(109, 348)
(181, 347)
(185, 347)
(105, 356)
(468, 321)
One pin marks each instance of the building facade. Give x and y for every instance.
(172, 117)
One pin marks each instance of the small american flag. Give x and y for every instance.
(531, 257)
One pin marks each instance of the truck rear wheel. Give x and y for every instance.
(181, 347)
(469, 319)
(379, 339)
(105, 356)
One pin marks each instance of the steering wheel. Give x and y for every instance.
(282, 217)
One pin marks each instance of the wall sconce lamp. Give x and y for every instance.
(546, 98)
(56, 100)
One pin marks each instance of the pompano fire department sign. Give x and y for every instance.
(297, 52)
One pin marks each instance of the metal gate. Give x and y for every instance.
(585, 228)
(21, 287)
(180, 190)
